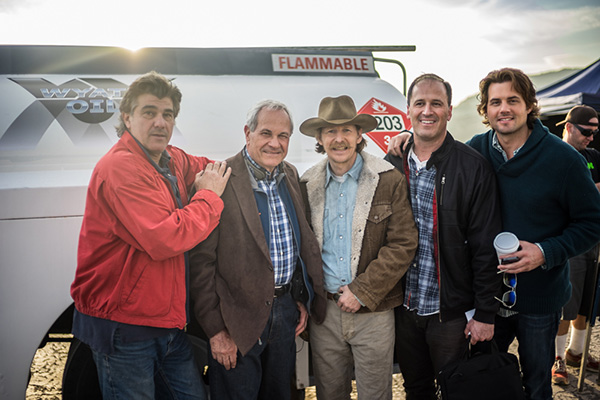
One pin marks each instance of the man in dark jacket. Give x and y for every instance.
(451, 285)
(550, 202)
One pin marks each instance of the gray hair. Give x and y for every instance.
(252, 117)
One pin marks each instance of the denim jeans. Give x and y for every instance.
(424, 345)
(536, 334)
(266, 371)
(161, 368)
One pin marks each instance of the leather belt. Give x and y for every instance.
(333, 296)
(281, 290)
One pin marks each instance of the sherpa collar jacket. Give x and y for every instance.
(384, 236)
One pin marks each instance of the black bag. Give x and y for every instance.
(477, 376)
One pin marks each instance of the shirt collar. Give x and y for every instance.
(165, 157)
(496, 145)
(419, 164)
(260, 173)
(353, 172)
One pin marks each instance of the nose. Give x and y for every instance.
(159, 121)
(339, 136)
(274, 141)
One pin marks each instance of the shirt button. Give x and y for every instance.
(341, 258)
(341, 194)
(341, 237)
(268, 303)
(376, 217)
(341, 215)
(281, 253)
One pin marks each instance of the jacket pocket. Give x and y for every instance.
(379, 213)
(148, 290)
(376, 229)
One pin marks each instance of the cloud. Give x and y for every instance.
(10, 6)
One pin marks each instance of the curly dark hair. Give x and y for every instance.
(520, 83)
(152, 83)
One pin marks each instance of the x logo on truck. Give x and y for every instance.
(79, 106)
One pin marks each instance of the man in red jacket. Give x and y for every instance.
(130, 287)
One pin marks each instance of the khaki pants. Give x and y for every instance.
(347, 344)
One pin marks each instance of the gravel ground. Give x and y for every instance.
(49, 362)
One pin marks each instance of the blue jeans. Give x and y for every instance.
(161, 368)
(536, 334)
(424, 345)
(266, 371)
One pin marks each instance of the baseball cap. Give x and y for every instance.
(580, 115)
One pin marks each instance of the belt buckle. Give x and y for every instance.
(280, 290)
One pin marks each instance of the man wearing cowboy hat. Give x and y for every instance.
(581, 126)
(358, 206)
(450, 286)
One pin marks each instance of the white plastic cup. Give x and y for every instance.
(506, 243)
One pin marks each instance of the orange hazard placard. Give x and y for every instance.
(390, 121)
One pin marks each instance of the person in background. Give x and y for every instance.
(359, 209)
(452, 282)
(580, 128)
(258, 275)
(130, 287)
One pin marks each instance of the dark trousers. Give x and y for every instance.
(266, 371)
(536, 334)
(424, 345)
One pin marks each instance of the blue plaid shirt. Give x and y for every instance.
(422, 284)
(283, 250)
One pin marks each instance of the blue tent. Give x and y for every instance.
(582, 87)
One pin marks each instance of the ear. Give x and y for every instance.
(360, 136)
(450, 113)
(127, 120)
(246, 132)
(318, 137)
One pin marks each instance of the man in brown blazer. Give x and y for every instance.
(257, 276)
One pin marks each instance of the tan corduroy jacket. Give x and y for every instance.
(384, 236)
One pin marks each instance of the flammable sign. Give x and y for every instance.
(390, 121)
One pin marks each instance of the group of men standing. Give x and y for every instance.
(370, 255)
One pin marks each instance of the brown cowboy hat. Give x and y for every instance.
(337, 111)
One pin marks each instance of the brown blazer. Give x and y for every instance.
(231, 275)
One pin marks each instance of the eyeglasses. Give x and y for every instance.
(509, 298)
(586, 132)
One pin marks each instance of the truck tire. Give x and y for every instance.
(80, 378)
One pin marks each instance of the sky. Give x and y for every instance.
(460, 40)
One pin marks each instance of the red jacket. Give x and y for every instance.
(130, 261)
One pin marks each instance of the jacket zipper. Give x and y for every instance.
(442, 183)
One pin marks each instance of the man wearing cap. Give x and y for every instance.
(258, 275)
(359, 210)
(580, 127)
(452, 282)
